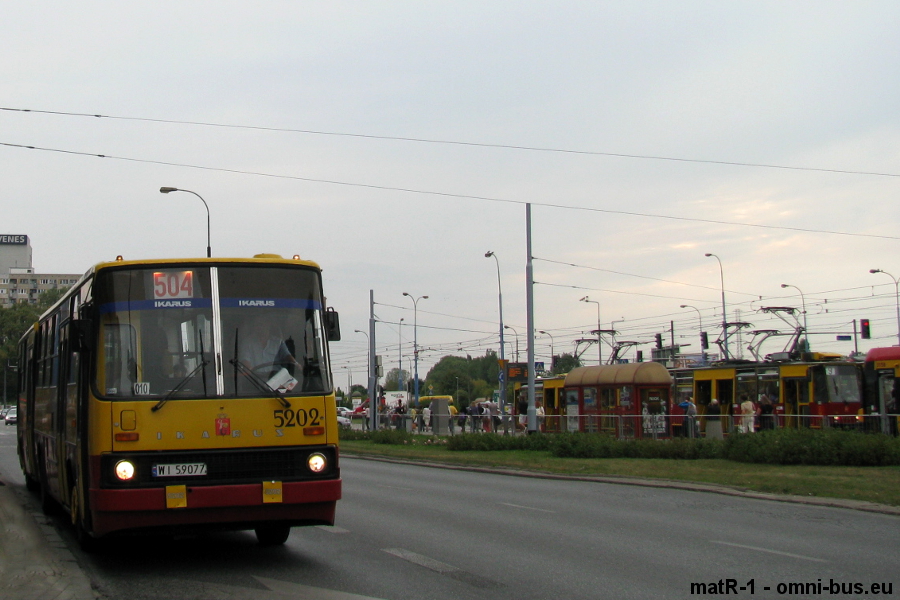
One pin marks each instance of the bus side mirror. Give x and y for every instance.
(80, 335)
(332, 325)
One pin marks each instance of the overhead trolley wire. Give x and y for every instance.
(457, 143)
(450, 194)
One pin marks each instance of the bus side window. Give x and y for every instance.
(120, 359)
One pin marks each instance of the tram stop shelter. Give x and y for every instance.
(630, 400)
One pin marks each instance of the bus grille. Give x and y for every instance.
(222, 466)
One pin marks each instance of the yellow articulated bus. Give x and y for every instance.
(181, 395)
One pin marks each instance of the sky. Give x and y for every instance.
(395, 143)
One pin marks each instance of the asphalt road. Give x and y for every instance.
(410, 532)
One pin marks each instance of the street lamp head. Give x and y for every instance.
(875, 271)
(784, 285)
(405, 294)
(708, 254)
(585, 299)
(684, 306)
(166, 190)
(489, 254)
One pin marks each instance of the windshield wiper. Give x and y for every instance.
(183, 383)
(258, 382)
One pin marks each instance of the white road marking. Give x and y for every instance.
(778, 552)
(305, 592)
(332, 529)
(543, 510)
(422, 561)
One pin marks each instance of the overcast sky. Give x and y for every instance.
(395, 143)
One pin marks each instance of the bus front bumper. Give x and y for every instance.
(214, 507)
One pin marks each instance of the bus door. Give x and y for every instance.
(887, 400)
(26, 412)
(71, 395)
(610, 415)
(589, 410)
(65, 419)
(725, 395)
(796, 402)
(572, 416)
(552, 409)
(702, 396)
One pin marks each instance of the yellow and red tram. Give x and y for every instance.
(823, 391)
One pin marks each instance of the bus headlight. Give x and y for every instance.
(317, 462)
(124, 470)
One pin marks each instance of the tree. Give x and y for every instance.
(395, 380)
(14, 322)
(472, 377)
(566, 363)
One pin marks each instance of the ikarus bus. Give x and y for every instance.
(176, 395)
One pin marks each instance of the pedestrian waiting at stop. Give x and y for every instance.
(689, 422)
(714, 420)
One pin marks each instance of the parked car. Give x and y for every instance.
(10, 418)
(343, 411)
(3, 412)
(343, 422)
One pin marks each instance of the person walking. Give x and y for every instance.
(748, 414)
(690, 419)
(714, 420)
(426, 418)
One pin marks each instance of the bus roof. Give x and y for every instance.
(257, 259)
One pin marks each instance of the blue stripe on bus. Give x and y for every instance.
(270, 303)
(295, 303)
(121, 307)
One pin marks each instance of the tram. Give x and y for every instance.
(825, 390)
(882, 389)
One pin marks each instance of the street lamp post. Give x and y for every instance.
(803, 303)
(517, 340)
(897, 296)
(368, 358)
(415, 302)
(166, 190)
(700, 319)
(724, 314)
(599, 335)
(551, 347)
(399, 354)
(502, 375)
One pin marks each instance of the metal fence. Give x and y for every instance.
(654, 426)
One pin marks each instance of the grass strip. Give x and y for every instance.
(880, 485)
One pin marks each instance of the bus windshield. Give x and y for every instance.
(199, 331)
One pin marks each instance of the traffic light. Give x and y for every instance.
(659, 340)
(866, 332)
(704, 340)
